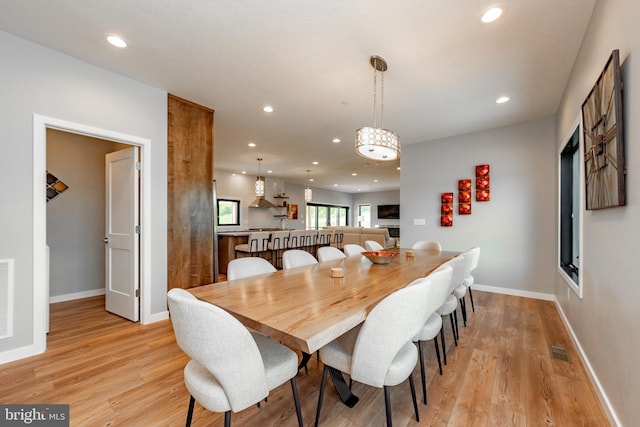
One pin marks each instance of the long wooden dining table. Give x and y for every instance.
(306, 308)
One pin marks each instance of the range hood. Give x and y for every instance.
(261, 202)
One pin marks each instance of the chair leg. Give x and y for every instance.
(473, 308)
(227, 419)
(453, 329)
(413, 395)
(422, 374)
(321, 394)
(192, 402)
(455, 317)
(387, 404)
(435, 341)
(444, 346)
(463, 310)
(296, 400)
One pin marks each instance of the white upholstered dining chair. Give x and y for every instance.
(372, 245)
(379, 353)
(240, 268)
(441, 282)
(329, 253)
(353, 249)
(297, 258)
(430, 245)
(230, 368)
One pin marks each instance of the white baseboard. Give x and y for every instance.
(604, 399)
(156, 317)
(515, 292)
(20, 353)
(76, 295)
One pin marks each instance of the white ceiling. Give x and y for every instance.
(310, 60)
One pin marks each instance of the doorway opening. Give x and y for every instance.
(40, 295)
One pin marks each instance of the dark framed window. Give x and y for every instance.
(570, 209)
(319, 216)
(228, 212)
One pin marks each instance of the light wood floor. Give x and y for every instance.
(116, 373)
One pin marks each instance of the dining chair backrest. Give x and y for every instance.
(297, 258)
(247, 267)
(329, 253)
(353, 249)
(441, 283)
(296, 239)
(391, 324)
(372, 245)
(430, 245)
(279, 240)
(459, 265)
(222, 345)
(475, 257)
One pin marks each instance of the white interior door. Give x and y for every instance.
(121, 234)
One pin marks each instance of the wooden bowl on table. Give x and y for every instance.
(380, 257)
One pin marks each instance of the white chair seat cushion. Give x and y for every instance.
(460, 291)
(280, 362)
(338, 352)
(430, 329)
(243, 247)
(468, 281)
(449, 306)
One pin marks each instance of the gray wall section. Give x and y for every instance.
(605, 320)
(37, 80)
(516, 229)
(391, 197)
(76, 218)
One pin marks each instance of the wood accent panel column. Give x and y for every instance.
(190, 198)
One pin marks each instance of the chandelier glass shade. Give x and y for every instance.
(308, 193)
(376, 142)
(259, 182)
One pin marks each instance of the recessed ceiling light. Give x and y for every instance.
(269, 171)
(491, 14)
(315, 163)
(116, 41)
(502, 100)
(311, 179)
(335, 185)
(267, 109)
(354, 174)
(336, 140)
(398, 168)
(244, 172)
(375, 180)
(251, 144)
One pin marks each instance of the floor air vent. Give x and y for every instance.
(559, 352)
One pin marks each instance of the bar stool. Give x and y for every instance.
(256, 245)
(277, 244)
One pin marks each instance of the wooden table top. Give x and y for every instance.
(306, 308)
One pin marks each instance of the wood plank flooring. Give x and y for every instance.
(116, 373)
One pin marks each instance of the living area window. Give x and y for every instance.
(228, 212)
(319, 216)
(570, 211)
(364, 215)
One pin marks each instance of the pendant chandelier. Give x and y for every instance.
(259, 182)
(308, 193)
(376, 142)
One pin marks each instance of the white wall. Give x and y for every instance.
(516, 229)
(606, 320)
(391, 197)
(37, 80)
(76, 218)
